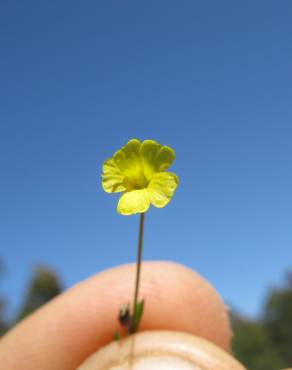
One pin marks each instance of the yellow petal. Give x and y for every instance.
(112, 178)
(132, 148)
(149, 150)
(128, 157)
(155, 156)
(162, 188)
(164, 158)
(129, 162)
(135, 201)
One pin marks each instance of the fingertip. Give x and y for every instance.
(190, 303)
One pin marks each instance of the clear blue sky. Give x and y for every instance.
(211, 79)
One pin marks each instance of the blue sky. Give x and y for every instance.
(211, 79)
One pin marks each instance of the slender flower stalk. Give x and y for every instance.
(133, 327)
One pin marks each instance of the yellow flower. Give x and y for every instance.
(138, 170)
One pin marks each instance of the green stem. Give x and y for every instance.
(138, 270)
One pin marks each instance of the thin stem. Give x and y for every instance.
(138, 265)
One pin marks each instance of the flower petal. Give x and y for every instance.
(162, 188)
(149, 150)
(164, 158)
(155, 156)
(129, 162)
(112, 178)
(128, 156)
(135, 201)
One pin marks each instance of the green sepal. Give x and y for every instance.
(117, 335)
(138, 312)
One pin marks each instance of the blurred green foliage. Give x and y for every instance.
(277, 319)
(266, 343)
(253, 347)
(3, 324)
(43, 287)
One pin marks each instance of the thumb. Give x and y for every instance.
(161, 350)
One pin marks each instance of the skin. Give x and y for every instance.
(69, 328)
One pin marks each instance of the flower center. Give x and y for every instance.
(136, 181)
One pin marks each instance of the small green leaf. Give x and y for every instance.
(138, 312)
(117, 335)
